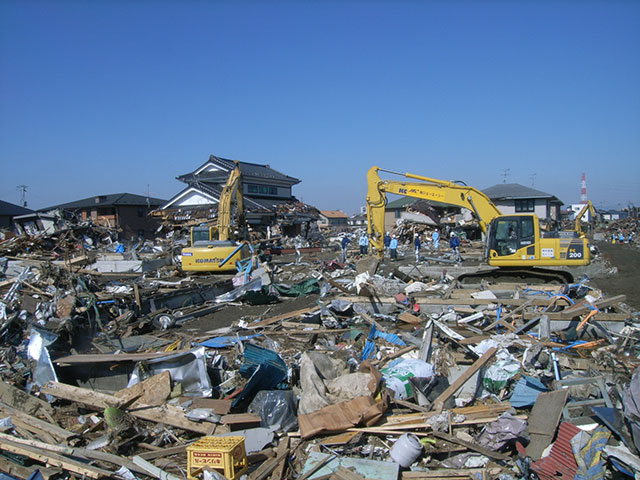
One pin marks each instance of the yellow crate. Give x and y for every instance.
(225, 454)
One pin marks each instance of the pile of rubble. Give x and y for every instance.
(311, 369)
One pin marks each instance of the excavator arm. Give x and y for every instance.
(589, 206)
(232, 190)
(427, 188)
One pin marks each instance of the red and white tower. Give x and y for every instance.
(583, 189)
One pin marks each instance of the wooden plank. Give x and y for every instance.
(397, 353)
(36, 423)
(479, 338)
(98, 401)
(407, 317)
(281, 454)
(503, 321)
(471, 446)
(164, 452)
(462, 379)
(65, 450)
(136, 294)
(345, 474)
(544, 419)
(16, 398)
(562, 316)
(153, 470)
(111, 358)
(511, 302)
(583, 307)
(310, 332)
(371, 321)
(443, 473)
(335, 284)
(55, 459)
(249, 419)
(338, 439)
(219, 406)
(264, 470)
(11, 468)
(271, 320)
(21, 425)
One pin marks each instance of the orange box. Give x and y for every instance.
(225, 454)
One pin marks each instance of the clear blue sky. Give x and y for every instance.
(112, 96)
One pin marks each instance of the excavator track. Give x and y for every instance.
(539, 275)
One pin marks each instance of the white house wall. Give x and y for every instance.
(191, 198)
(209, 167)
(508, 207)
(194, 198)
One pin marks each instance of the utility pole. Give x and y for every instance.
(533, 179)
(23, 190)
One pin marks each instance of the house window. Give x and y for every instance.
(262, 189)
(104, 211)
(141, 211)
(527, 205)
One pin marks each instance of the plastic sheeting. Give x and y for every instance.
(631, 402)
(497, 434)
(307, 287)
(187, 368)
(498, 375)
(588, 452)
(39, 340)
(276, 408)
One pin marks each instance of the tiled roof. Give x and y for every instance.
(249, 170)
(505, 191)
(406, 201)
(111, 200)
(9, 209)
(334, 214)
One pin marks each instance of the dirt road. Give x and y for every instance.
(626, 258)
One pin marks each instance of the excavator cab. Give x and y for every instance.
(508, 234)
(201, 234)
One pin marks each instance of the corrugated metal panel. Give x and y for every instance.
(561, 462)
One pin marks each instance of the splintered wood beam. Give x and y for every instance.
(55, 460)
(462, 379)
(167, 414)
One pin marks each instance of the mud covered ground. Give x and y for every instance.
(626, 258)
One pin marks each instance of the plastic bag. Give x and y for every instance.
(498, 375)
(397, 377)
(276, 408)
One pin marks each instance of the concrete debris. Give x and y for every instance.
(115, 364)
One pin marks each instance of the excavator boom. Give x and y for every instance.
(427, 188)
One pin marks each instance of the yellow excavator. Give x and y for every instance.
(208, 254)
(515, 243)
(592, 211)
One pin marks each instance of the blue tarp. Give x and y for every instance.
(265, 370)
(526, 392)
(222, 342)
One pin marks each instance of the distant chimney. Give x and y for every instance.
(583, 189)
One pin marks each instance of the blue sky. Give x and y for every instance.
(112, 96)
